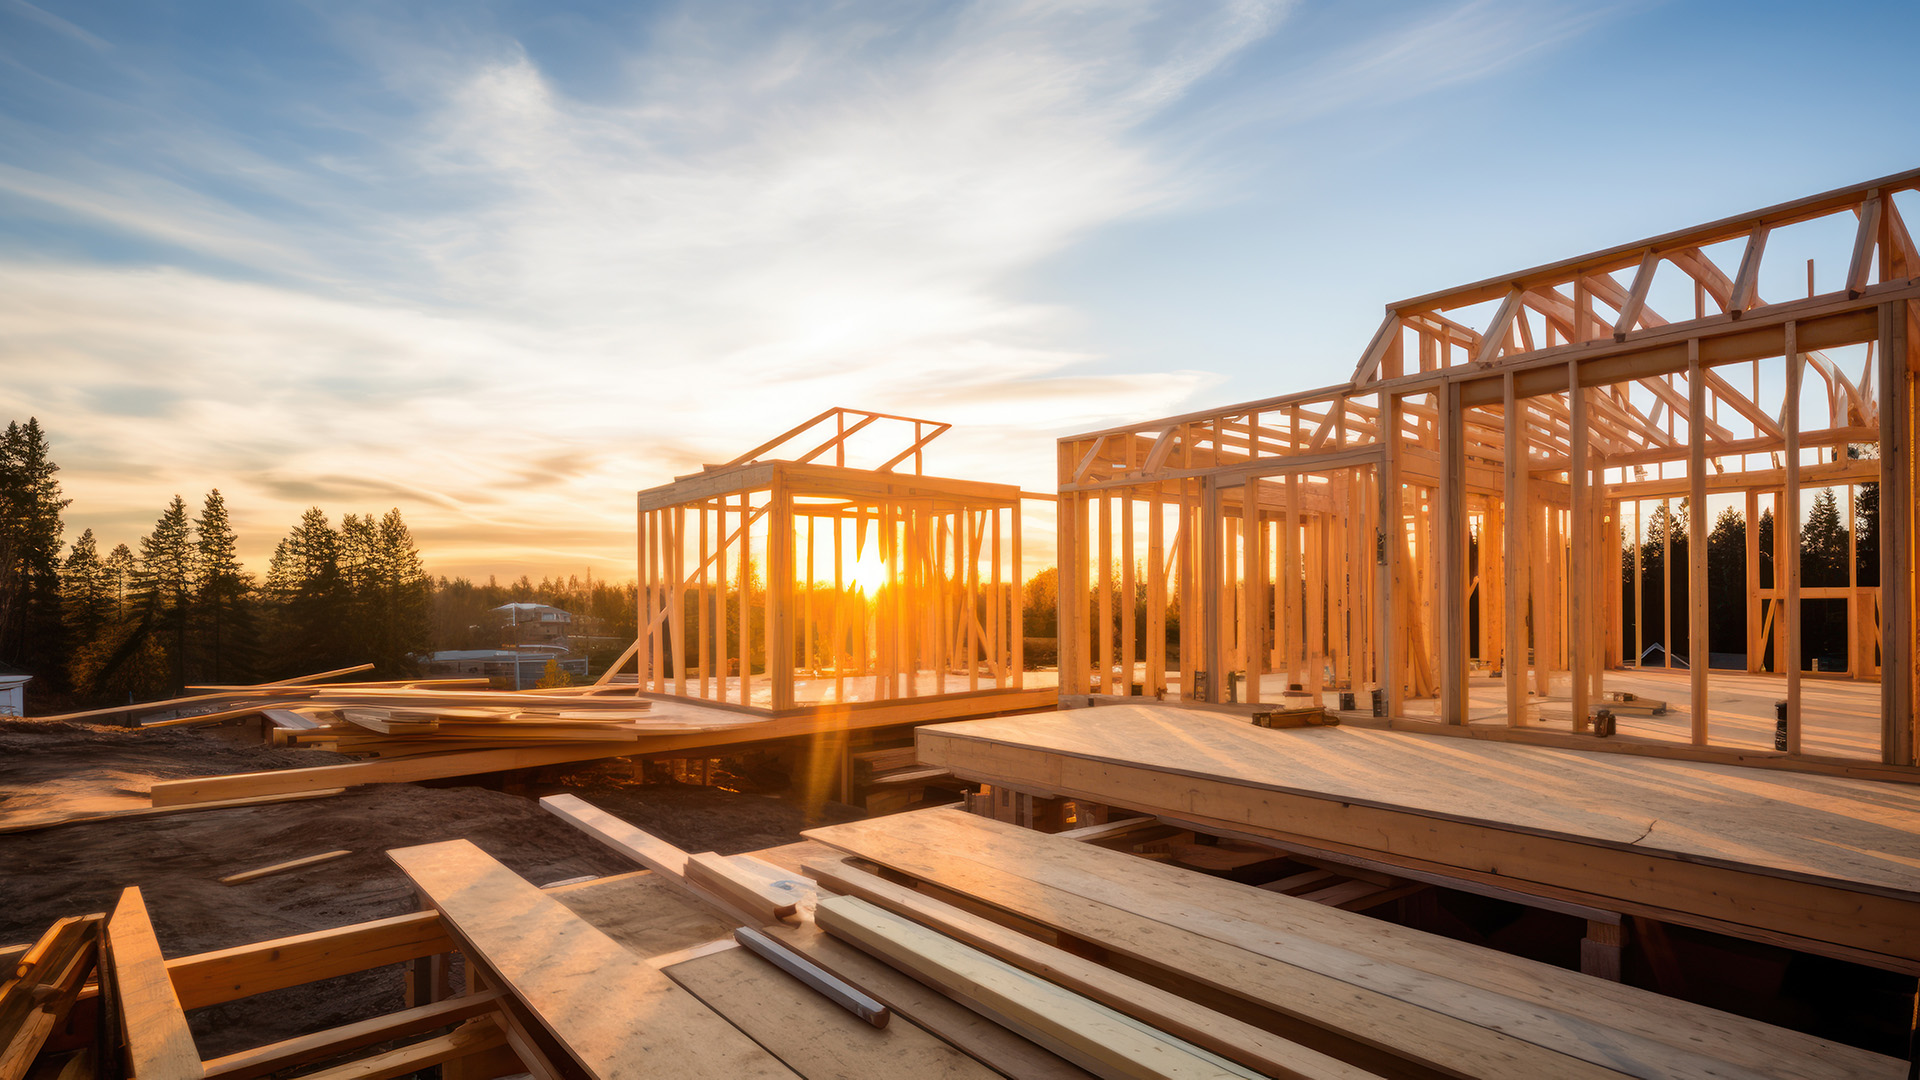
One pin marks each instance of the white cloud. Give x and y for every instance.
(511, 307)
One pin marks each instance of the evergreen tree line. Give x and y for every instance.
(1825, 538)
(180, 609)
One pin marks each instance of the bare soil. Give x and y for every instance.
(178, 859)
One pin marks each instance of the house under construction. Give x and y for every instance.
(1378, 751)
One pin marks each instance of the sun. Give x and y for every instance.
(869, 573)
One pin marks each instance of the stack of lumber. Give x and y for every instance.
(1095, 953)
(39, 986)
(400, 718)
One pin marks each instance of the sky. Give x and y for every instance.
(500, 265)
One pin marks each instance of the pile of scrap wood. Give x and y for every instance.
(397, 718)
(39, 986)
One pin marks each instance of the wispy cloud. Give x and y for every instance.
(505, 305)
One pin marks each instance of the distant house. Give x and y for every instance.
(513, 669)
(13, 685)
(533, 624)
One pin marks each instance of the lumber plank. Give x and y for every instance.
(1177, 918)
(281, 867)
(221, 975)
(616, 1015)
(635, 843)
(159, 1046)
(476, 1036)
(813, 1036)
(1105, 1042)
(302, 1049)
(718, 873)
(1230, 1038)
(30, 823)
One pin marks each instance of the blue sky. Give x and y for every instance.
(502, 264)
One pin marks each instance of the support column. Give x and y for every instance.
(1518, 557)
(1579, 573)
(1786, 525)
(1451, 526)
(1697, 656)
(1897, 741)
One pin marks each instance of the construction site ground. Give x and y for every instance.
(178, 859)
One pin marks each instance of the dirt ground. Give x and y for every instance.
(177, 859)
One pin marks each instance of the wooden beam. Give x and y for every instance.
(1450, 521)
(300, 1050)
(1518, 557)
(1860, 267)
(1897, 714)
(1497, 330)
(1698, 657)
(1636, 296)
(626, 1015)
(1786, 527)
(1746, 282)
(158, 1044)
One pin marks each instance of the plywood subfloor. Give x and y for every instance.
(1860, 833)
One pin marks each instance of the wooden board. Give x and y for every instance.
(812, 1035)
(1230, 1038)
(159, 1046)
(1340, 969)
(1099, 1039)
(644, 912)
(615, 1014)
(635, 843)
(680, 725)
(1822, 858)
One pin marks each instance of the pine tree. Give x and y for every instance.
(1823, 545)
(118, 566)
(224, 626)
(311, 605)
(164, 585)
(404, 595)
(30, 605)
(1727, 581)
(86, 593)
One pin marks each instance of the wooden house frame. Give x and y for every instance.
(840, 585)
(1758, 402)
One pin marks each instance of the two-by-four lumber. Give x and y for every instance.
(1097, 1038)
(616, 1015)
(158, 1044)
(210, 978)
(717, 873)
(637, 844)
(302, 1049)
(280, 867)
(1231, 1038)
(1459, 1008)
(476, 1036)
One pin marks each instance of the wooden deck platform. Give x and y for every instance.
(1824, 864)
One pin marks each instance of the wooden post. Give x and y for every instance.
(1450, 522)
(1104, 582)
(1756, 604)
(1156, 680)
(1897, 741)
(1698, 657)
(677, 594)
(1579, 574)
(780, 599)
(1212, 629)
(1128, 642)
(1787, 526)
(1519, 562)
(1292, 599)
(1255, 601)
(1389, 540)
